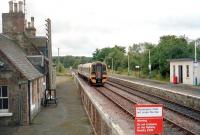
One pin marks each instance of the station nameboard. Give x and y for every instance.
(148, 119)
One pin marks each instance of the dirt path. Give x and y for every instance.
(67, 118)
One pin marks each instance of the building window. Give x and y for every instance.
(174, 70)
(187, 71)
(3, 98)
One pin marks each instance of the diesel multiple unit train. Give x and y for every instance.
(95, 73)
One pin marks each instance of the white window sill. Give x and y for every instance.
(5, 114)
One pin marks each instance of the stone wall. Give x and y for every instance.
(13, 23)
(17, 95)
(101, 122)
(37, 95)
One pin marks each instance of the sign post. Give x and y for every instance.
(148, 119)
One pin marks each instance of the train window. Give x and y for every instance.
(93, 69)
(98, 68)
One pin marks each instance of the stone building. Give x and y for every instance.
(24, 65)
(21, 85)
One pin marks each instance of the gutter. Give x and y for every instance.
(29, 102)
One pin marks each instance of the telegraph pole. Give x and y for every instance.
(49, 45)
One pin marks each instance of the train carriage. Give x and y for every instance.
(95, 73)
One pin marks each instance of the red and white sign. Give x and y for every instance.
(148, 119)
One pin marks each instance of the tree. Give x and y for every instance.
(117, 54)
(137, 55)
(169, 47)
(71, 61)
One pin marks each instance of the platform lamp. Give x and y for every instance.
(195, 60)
(149, 66)
(128, 62)
(112, 63)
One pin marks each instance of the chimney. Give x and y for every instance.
(32, 22)
(15, 7)
(20, 6)
(30, 30)
(10, 6)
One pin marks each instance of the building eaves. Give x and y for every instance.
(181, 59)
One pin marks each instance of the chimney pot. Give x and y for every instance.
(11, 6)
(32, 22)
(15, 7)
(29, 24)
(20, 6)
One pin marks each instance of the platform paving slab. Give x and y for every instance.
(67, 118)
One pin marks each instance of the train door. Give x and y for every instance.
(180, 73)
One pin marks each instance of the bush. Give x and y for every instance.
(60, 68)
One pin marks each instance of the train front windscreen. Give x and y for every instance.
(99, 72)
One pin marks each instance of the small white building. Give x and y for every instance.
(185, 71)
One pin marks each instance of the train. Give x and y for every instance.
(95, 73)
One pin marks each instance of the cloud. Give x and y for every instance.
(81, 26)
(186, 22)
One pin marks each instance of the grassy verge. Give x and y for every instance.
(135, 74)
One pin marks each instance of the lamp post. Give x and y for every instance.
(112, 63)
(128, 64)
(149, 64)
(195, 60)
(195, 51)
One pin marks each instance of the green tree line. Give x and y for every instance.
(168, 47)
(70, 61)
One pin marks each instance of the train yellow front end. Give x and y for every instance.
(95, 73)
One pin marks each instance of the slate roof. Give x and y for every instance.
(39, 41)
(18, 58)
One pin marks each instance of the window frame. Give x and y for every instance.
(1, 97)
(174, 70)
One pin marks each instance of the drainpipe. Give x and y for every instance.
(29, 102)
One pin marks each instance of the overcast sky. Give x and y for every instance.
(81, 26)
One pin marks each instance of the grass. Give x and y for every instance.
(135, 74)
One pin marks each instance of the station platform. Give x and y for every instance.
(185, 95)
(189, 90)
(68, 117)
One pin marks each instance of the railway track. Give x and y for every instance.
(187, 112)
(125, 99)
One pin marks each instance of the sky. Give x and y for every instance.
(81, 26)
